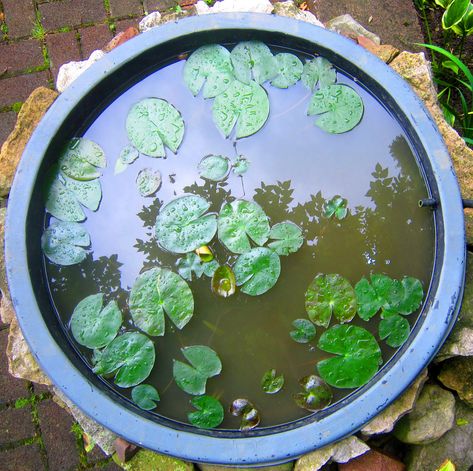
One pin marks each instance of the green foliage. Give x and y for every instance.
(148, 181)
(318, 71)
(145, 396)
(337, 207)
(188, 265)
(38, 32)
(304, 331)
(209, 412)
(272, 383)
(223, 281)
(287, 238)
(316, 394)
(289, 69)
(240, 165)
(214, 167)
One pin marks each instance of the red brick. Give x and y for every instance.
(23, 458)
(95, 37)
(56, 15)
(158, 5)
(373, 461)
(119, 8)
(123, 25)
(21, 55)
(7, 123)
(15, 424)
(62, 47)
(20, 17)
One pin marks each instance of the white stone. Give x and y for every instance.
(290, 10)
(150, 21)
(228, 6)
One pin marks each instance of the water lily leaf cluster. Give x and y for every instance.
(216, 168)
(336, 207)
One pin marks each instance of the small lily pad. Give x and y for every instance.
(145, 396)
(287, 238)
(63, 243)
(340, 107)
(358, 356)
(80, 158)
(289, 69)
(127, 156)
(214, 167)
(250, 417)
(240, 221)
(209, 412)
(253, 60)
(327, 295)
(205, 253)
(148, 181)
(304, 331)
(241, 165)
(412, 296)
(272, 383)
(337, 207)
(210, 268)
(154, 123)
(182, 225)
(93, 325)
(223, 281)
(88, 193)
(188, 265)
(317, 394)
(243, 105)
(318, 71)
(394, 329)
(257, 271)
(130, 356)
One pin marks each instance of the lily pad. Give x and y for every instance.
(154, 123)
(412, 296)
(337, 207)
(287, 238)
(148, 181)
(80, 158)
(257, 271)
(250, 417)
(210, 268)
(157, 291)
(145, 396)
(130, 356)
(93, 325)
(318, 71)
(394, 329)
(182, 225)
(304, 331)
(214, 167)
(127, 156)
(88, 193)
(63, 243)
(209, 412)
(241, 165)
(240, 221)
(317, 394)
(358, 356)
(340, 107)
(327, 295)
(289, 69)
(209, 67)
(272, 383)
(253, 60)
(243, 105)
(188, 265)
(223, 281)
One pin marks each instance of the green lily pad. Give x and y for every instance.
(241, 165)
(223, 281)
(88, 193)
(317, 394)
(394, 329)
(214, 167)
(318, 71)
(209, 412)
(148, 181)
(210, 268)
(337, 207)
(127, 156)
(257, 271)
(340, 107)
(240, 221)
(253, 60)
(272, 383)
(358, 356)
(182, 225)
(243, 105)
(154, 123)
(412, 296)
(130, 356)
(63, 243)
(188, 265)
(209, 67)
(250, 416)
(287, 238)
(368, 301)
(157, 291)
(80, 158)
(145, 396)
(304, 331)
(327, 295)
(289, 69)
(93, 325)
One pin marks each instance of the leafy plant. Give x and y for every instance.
(80, 159)
(214, 167)
(316, 394)
(318, 71)
(287, 238)
(272, 383)
(337, 207)
(289, 69)
(223, 281)
(304, 331)
(209, 412)
(127, 156)
(145, 396)
(394, 329)
(250, 416)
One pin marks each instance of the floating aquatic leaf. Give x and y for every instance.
(241, 165)
(394, 329)
(317, 394)
(209, 412)
(93, 325)
(340, 107)
(250, 417)
(240, 221)
(327, 295)
(289, 69)
(253, 59)
(148, 181)
(188, 265)
(189, 379)
(152, 124)
(337, 207)
(272, 383)
(182, 225)
(257, 271)
(210, 268)
(304, 331)
(318, 71)
(214, 167)
(88, 193)
(359, 356)
(246, 105)
(209, 67)
(157, 291)
(223, 281)
(63, 243)
(368, 301)
(287, 238)
(130, 356)
(412, 295)
(127, 156)
(145, 396)
(204, 253)
(80, 158)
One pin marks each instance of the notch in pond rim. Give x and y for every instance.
(428, 203)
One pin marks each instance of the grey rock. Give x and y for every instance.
(349, 27)
(225, 6)
(290, 10)
(457, 374)
(150, 21)
(281, 467)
